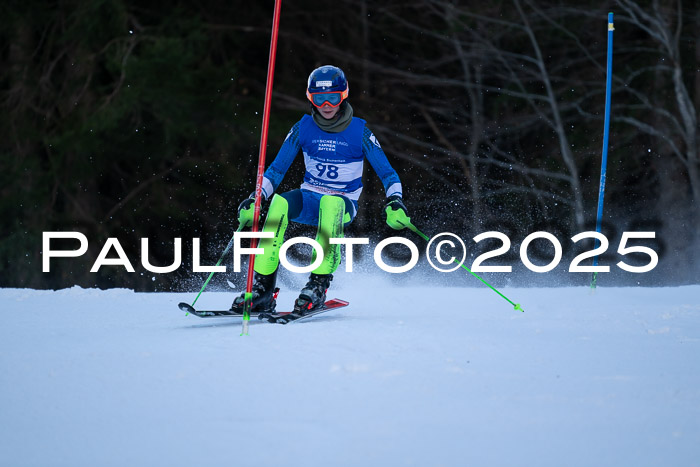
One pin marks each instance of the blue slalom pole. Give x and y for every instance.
(606, 132)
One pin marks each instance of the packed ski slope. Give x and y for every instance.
(411, 376)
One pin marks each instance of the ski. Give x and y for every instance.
(285, 317)
(212, 313)
(220, 314)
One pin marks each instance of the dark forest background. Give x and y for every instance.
(142, 119)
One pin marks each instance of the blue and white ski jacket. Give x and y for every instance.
(334, 161)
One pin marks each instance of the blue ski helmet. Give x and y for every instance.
(327, 86)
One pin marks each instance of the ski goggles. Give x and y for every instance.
(333, 99)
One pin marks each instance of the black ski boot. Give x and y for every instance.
(264, 295)
(314, 294)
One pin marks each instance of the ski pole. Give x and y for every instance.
(261, 162)
(516, 306)
(606, 133)
(190, 308)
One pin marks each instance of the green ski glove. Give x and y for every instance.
(246, 211)
(396, 213)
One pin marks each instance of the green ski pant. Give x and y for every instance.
(330, 225)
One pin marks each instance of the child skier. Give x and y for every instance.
(335, 145)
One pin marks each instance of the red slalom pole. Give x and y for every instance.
(261, 163)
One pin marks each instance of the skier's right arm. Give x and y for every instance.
(289, 150)
(273, 175)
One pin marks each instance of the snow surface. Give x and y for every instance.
(404, 376)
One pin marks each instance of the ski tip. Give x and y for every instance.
(186, 307)
(336, 302)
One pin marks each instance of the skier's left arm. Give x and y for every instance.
(396, 212)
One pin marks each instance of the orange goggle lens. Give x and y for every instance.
(332, 99)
